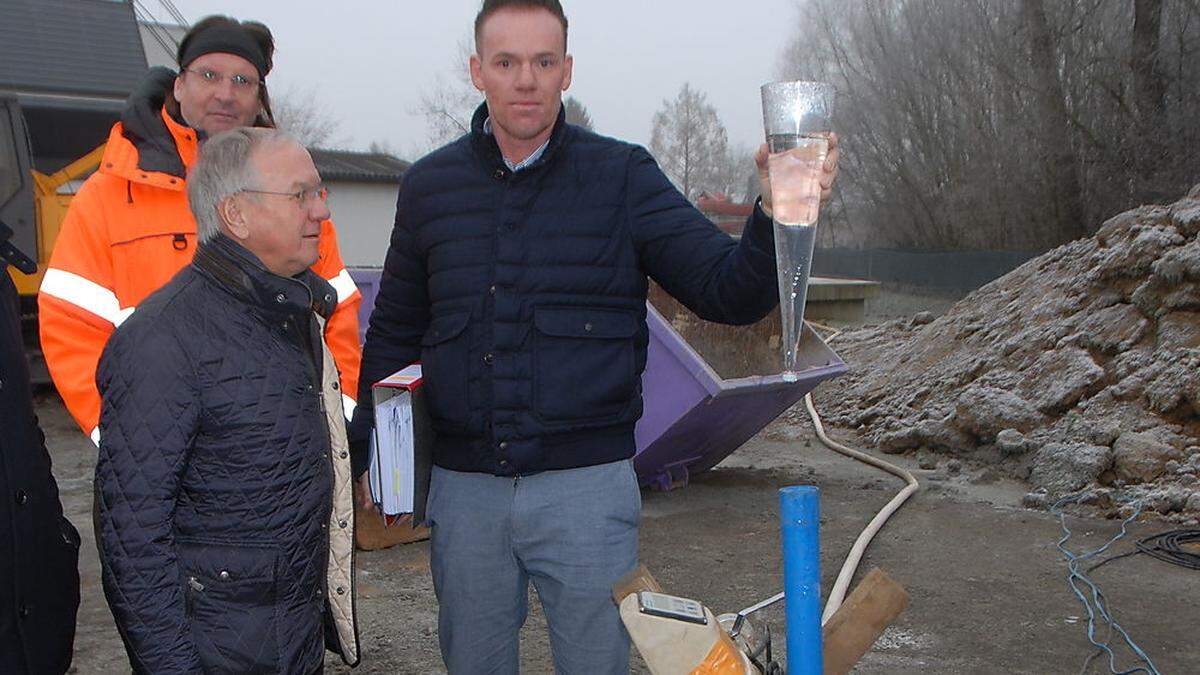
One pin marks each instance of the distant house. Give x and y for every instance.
(726, 214)
(70, 65)
(363, 187)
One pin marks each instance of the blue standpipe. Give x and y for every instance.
(800, 517)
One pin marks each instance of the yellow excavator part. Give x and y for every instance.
(50, 209)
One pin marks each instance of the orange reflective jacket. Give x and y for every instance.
(127, 232)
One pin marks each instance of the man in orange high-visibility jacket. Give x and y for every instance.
(129, 229)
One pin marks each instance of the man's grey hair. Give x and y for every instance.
(224, 169)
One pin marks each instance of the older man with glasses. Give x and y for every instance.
(128, 230)
(223, 487)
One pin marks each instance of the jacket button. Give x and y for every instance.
(21, 498)
(320, 593)
(488, 358)
(24, 610)
(328, 298)
(503, 445)
(343, 454)
(587, 327)
(342, 524)
(492, 290)
(341, 591)
(499, 174)
(281, 298)
(224, 575)
(336, 386)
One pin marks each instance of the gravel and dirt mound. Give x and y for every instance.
(1079, 370)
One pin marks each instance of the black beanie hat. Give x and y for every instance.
(225, 40)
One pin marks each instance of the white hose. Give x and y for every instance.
(838, 593)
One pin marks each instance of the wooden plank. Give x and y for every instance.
(370, 533)
(867, 612)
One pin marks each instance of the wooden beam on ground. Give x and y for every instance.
(371, 533)
(867, 612)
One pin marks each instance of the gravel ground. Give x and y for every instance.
(989, 592)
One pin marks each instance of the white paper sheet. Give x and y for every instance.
(391, 468)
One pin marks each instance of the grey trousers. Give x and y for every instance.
(573, 533)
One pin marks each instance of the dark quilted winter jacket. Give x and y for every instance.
(224, 515)
(523, 295)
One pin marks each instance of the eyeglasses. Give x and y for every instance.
(304, 197)
(211, 78)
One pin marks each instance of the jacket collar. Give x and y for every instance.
(147, 140)
(241, 273)
(486, 147)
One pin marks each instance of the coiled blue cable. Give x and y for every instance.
(1098, 604)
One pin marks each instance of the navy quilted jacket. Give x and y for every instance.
(214, 483)
(523, 295)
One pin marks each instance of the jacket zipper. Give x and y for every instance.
(317, 364)
(194, 587)
(316, 375)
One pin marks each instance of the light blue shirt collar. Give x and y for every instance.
(523, 164)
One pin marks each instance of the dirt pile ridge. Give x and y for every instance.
(1079, 370)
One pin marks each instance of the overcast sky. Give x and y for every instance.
(369, 61)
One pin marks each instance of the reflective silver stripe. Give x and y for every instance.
(344, 285)
(95, 436)
(348, 406)
(85, 294)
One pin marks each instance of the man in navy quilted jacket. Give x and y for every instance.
(517, 275)
(224, 514)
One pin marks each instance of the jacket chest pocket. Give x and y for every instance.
(230, 597)
(445, 364)
(145, 261)
(583, 363)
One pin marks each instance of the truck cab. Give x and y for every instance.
(18, 232)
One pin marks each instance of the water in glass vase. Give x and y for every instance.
(795, 202)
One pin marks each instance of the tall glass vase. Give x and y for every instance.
(796, 116)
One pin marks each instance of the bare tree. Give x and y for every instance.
(1056, 155)
(300, 112)
(1148, 83)
(690, 144)
(382, 148)
(577, 114)
(1149, 87)
(739, 175)
(449, 103)
(1029, 127)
